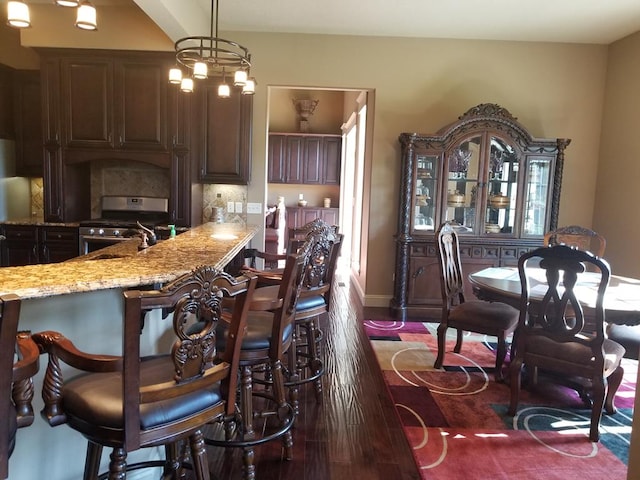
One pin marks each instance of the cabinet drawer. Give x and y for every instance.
(60, 235)
(490, 252)
(21, 233)
(423, 250)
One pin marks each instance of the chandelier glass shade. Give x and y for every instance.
(18, 14)
(202, 57)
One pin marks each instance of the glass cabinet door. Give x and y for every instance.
(537, 195)
(424, 214)
(462, 183)
(502, 188)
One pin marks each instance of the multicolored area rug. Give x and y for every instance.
(457, 423)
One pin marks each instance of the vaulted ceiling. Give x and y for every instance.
(572, 21)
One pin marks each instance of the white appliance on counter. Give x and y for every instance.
(15, 192)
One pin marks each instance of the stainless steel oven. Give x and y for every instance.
(95, 238)
(118, 221)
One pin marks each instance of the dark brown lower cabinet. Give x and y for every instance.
(423, 295)
(300, 216)
(30, 244)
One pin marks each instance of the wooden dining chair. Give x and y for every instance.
(552, 337)
(579, 237)
(478, 316)
(131, 401)
(18, 364)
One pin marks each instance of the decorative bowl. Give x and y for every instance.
(302, 203)
(455, 199)
(499, 201)
(492, 228)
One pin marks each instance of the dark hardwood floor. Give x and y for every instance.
(353, 433)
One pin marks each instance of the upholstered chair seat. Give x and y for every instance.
(95, 400)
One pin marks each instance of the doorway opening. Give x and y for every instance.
(340, 113)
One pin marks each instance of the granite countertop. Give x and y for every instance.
(38, 220)
(123, 266)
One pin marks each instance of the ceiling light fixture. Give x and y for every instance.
(68, 3)
(87, 17)
(202, 56)
(18, 13)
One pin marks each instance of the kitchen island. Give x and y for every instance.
(82, 298)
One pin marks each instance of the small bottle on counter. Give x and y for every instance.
(172, 231)
(218, 214)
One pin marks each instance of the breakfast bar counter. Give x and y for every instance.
(123, 266)
(83, 299)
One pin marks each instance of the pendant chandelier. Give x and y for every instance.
(204, 56)
(18, 14)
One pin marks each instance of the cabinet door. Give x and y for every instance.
(7, 129)
(226, 153)
(87, 97)
(140, 105)
(424, 215)
(424, 281)
(332, 154)
(21, 245)
(313, 156)
(329, 215)
(295, 159)
(58, 244)
(504, 176)
(464, 187)
(277, 162)
(28, 115)
(307, 215)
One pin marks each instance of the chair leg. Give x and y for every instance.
(92, 462)
(515, 377)
(249, 468)
(246, 406)
(614, 381)
(294, 371)
(500, 356)
(282, 406)
(246, 402)
(442, 337)
(599, 390)
(118, 464)
(316, 358)
(199, 456)
(458, 346)
(173, 461)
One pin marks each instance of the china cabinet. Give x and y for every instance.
(489, 175)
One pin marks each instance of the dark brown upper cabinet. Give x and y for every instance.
(116, 106)
(304, 158)
(222, 133)
(28, 123)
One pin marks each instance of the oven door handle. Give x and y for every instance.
(106, 239)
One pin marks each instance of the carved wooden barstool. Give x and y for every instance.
(268, 337)
(18, 364)
(130, 402)
(305, 362)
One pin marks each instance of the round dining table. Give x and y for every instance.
(502, 284)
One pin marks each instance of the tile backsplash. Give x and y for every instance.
(37, 197)
(228, 193)
(115, 177)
